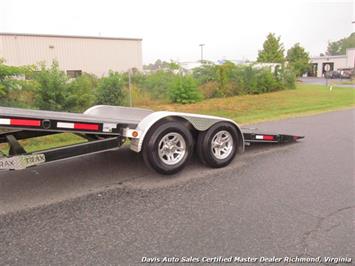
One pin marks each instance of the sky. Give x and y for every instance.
(173, 29)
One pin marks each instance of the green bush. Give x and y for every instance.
(266, 81)
(52, 85)
(184, 90)
(246, 78)
(224, 74)
(207, 72)
(137, 78)
(80, 93)
(229, 79)
(14, 89)
(23, 95)
(209, 89)
(110, 89)
(252, 80)
(287, 78)
(157, 83)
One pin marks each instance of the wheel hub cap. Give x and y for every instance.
(172, 148)
(222, 144)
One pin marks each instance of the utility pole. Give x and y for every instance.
(130, 87)
(202, 45)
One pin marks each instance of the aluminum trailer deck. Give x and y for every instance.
(55, 121)
(166, 139)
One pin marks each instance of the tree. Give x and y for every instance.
(273, 51)
(52, 85)
(110, 89)
(339, 47)
(298, 59)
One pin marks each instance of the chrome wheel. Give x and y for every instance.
(222, 144)
(172, 148)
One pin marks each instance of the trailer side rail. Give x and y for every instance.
(19, 159)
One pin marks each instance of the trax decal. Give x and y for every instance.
(21, 162)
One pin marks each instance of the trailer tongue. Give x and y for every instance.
(250, 136)
(166, 139)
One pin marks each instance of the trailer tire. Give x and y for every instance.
(168, 147)
(213, 152)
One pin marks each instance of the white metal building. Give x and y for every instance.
(75, 54)
(320, 64)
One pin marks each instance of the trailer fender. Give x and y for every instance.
(199, 122)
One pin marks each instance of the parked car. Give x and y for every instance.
(346, 73)
(332, 74)
(338, 74)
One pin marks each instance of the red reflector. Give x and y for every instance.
(93, 127)
(268, 137)
(25, 122)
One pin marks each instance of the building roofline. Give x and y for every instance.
(327, 57)
(68, 36)
(334, 56)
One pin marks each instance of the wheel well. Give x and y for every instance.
(193, 130)
(182, 120)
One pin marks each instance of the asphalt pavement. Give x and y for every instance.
(323, 81)
(108, 209)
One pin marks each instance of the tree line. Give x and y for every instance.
(339, 47)
(49, 88)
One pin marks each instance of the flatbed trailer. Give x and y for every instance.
(166, 139)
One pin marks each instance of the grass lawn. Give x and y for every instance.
(46, 142)
(347, 82)
(304, 100)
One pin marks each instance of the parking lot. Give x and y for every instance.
(323, 81)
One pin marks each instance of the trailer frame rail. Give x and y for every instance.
(19, 159)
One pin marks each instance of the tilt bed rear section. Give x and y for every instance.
(166, 139)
